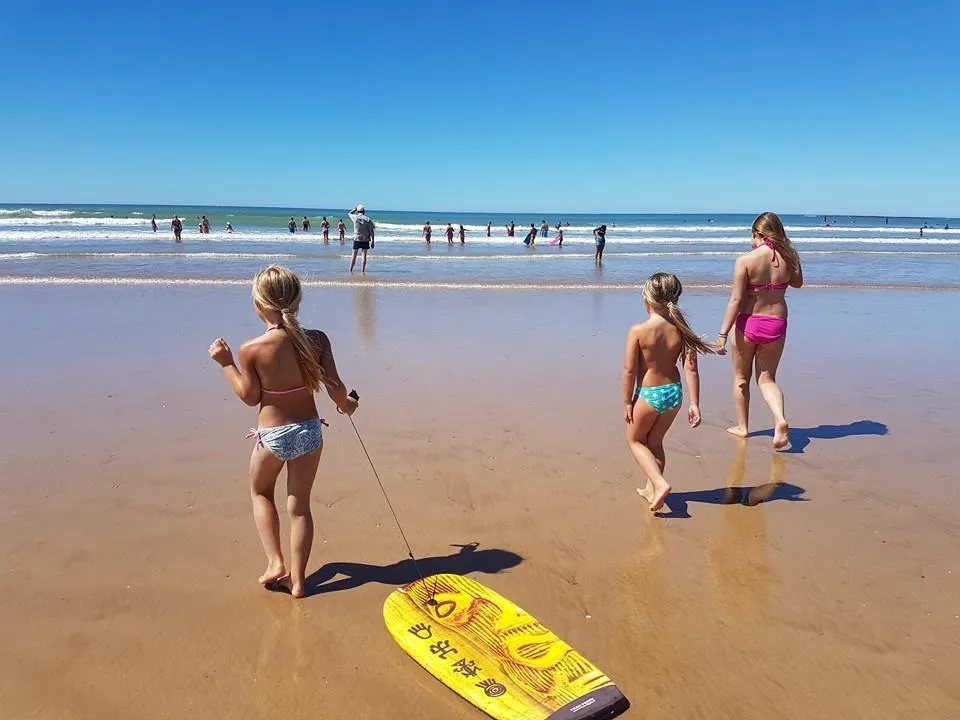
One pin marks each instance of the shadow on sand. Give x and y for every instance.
(467, 560)
(749, 496)
(735, 492)
(801, 437)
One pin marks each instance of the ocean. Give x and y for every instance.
(114, 243)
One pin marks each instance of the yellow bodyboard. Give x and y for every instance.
(496, 655)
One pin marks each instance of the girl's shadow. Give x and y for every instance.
(735, 493)
(467, 560)
(801, 437)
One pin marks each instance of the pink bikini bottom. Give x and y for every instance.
(761, 329)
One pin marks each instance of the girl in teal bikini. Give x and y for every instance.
(652, 392)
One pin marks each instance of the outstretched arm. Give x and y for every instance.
(737, 292)
(332, 382)
(796, 280)
(243, 379)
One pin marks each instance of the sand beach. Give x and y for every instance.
(821, 582)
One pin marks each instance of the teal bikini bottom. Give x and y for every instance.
(662, 398)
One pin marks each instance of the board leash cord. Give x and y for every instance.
(396, 520)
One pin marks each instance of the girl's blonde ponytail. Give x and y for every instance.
(277, 289)
(662, 292)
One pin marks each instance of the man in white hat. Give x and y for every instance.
(363, 236)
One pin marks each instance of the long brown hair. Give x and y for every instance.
(662, 292)
(276, 289)
(769, 227)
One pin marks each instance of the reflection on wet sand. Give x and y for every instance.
(738, 559)
(365, 311)
(733, 492)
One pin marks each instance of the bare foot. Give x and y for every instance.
(738, 430)
(296, 589)
(646, 493)
(275, 572)
(781, 436)
(659, 497)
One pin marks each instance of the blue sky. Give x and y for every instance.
(638, 106)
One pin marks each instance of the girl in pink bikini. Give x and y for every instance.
(758, 309)
(280, 371)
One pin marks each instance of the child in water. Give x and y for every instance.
(293, 363)
(652, 392)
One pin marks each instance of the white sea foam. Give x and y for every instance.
(428, 285)
(146, 255)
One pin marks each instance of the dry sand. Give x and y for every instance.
(130, 557)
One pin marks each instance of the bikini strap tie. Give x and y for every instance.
(769, 243)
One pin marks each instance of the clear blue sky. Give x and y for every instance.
(821, 105)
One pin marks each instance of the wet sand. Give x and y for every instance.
(811, 584)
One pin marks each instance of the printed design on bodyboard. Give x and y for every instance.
(534, 659)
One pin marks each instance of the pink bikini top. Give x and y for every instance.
(281, 392)
(769, 286)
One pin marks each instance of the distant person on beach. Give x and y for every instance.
(652, 391)
(292, 225)
(305, 225)
(153, 222)
(206, 225)
(600, 240)
(449, 233)
(758, 310)
(228, 227)
(511, 229)
(295, 363)
(544, 229)
(531, 236)
(427, 232)
(463, 235)
(177, 226)
(559, 238)
(363, 236)
(199, 225)
(325, 227)
(489, 226)
(341, 228)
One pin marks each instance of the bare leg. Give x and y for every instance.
(742, 355)
(363, 264)
(353, 260)
(645, 420)
(264, 469)
(300, 476)
(656, 435)
(768, 360)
